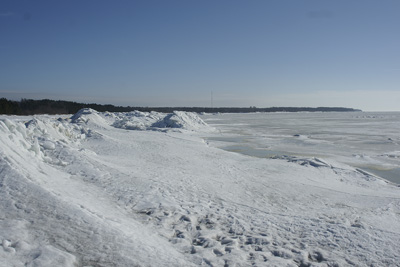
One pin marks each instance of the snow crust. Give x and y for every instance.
(84, 191)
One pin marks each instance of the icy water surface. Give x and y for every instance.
(370, 141)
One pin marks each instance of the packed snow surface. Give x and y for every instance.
(145, 189)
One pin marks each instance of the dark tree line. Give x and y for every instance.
(47, 106)
(9, 107)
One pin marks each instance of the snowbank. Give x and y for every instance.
(161, 121)
(137, 120)
(39, 137)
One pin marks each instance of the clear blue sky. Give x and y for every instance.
(175, 53)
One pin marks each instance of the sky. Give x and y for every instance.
(342, 53)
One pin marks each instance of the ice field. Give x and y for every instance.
(153, 189)
(367, 140)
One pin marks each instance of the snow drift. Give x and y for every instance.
(84, 191)
(137, 120)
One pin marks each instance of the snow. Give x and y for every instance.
(145, 189)
(156, 121)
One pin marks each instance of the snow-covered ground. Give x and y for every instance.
(145, 189)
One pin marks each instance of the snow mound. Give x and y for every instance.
(84, 115)
(39, 137)
(137, 120)
(182, 120)
(92, 118)
(160, 121)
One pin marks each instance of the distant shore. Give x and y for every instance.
(47, 106)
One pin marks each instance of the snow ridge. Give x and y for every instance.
(136, 120)
(178, 120)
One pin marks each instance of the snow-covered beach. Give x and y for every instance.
(153, 189)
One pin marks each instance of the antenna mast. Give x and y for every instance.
(212, 99)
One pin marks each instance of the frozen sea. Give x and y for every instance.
(366, 140)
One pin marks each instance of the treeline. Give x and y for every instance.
(47, 106)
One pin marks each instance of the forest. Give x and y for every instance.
(47, 106)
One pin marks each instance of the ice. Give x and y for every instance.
(145, 189)
(360, 139)
(48, 145)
